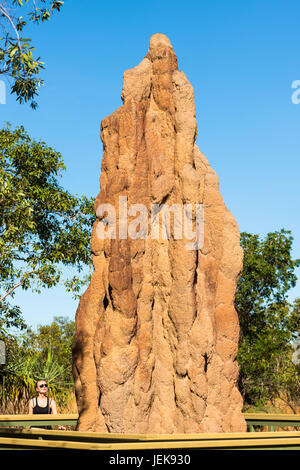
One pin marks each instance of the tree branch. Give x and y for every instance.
(7, 16)
(17, 285)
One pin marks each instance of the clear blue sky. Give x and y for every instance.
(241, 58)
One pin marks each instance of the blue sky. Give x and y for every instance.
(241, 58)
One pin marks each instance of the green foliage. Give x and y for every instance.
(45, 354)
(16, 53)
(43, 228)
(269, 324)
(30, 366)
(268, 274)
(57, 338)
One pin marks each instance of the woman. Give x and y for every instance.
(42, 404)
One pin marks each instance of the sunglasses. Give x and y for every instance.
(43, 385)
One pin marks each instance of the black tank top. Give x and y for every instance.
(39, 410)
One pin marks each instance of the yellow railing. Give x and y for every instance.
(13, 436)
(34, 420)
(272, 420)
(252, 419)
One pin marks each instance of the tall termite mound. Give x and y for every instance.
(156, 330)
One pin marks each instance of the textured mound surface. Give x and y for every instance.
(156, 331)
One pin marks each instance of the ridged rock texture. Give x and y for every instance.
(156, 330)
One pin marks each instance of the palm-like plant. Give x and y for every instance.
(21, 374)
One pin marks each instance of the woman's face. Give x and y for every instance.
(42, 387)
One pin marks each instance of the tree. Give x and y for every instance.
(16, 53)
(57, 337)
(43, 228)
(268, 322)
